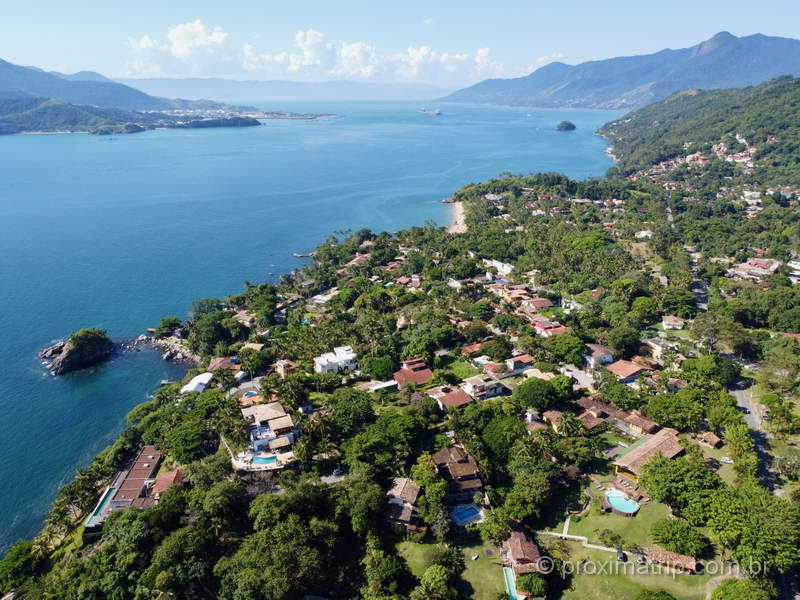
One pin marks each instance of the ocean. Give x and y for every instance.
(118, 232)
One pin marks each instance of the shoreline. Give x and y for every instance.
(458, 223)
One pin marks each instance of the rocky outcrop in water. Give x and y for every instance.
(84, 348)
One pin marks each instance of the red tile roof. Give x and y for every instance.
(167, 480)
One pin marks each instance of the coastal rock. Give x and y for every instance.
(52, 351)
(83, 349)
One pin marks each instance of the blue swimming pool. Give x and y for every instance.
(462, 515)
(249, 394)
(620, 501)
(105, 500)
(508, 575)
(264, 460)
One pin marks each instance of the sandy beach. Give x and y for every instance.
(457, 223)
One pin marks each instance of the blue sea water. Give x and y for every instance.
(117, 232)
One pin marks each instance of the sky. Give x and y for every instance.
(441, 42)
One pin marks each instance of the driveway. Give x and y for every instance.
(583, 380)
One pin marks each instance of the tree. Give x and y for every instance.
(166, 326)
(716, 331)
(435, 584)
(609, 538)
(683, 484)
(379, 367)
(498, 348)
(532, 584)
(535, 393)
(654, 595)
(683, 410)
(743, 589)
(679, 536)
(352, 410)
(566, 348)
(225, 505)
(17, 566)
(624, 340)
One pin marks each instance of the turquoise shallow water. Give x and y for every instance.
(116, 233)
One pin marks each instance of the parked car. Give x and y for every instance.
(621, 556)
(640, 558)
(726, 460)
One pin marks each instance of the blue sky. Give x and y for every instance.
(445, 42)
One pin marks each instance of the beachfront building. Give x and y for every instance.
(342, 358)
(129, 487)
(272, 434)
(198, 383)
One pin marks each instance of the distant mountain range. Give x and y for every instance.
(724, 61)
(85, 87)
(229, 90)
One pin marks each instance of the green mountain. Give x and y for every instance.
(766, 117)
(724, 61)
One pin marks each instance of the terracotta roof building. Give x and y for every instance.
(165, 481)
(522, 555)
(413, 371)
(659, 556)
(449, 397)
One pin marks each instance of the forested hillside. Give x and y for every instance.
(767, 117)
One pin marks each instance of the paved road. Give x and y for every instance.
(754, 415)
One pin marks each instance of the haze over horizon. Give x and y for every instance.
(443, 44)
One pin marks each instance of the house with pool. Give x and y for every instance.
(272, 434)
(629, 466)
(461, 473)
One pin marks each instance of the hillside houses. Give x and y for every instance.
(402, 509)
(341, 359)
(272, 433)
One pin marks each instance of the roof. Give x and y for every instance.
(710, 438)
(453, 398)
(198, 383)
(167, 480)
(263, 412)
(413, 371)
(671, 559)
(222, 362)
(552, 416)
(624, 369)
(401, 512)
(589, 420)
(463, 468)
(280, 442)
(646, 425)
(253, 346)
(281, 422)
(672, 319)
(404, 489)
(451, 453)
(520, 548)
(598, 350)
(472, 348)
(665, 443)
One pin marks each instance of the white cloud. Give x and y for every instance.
(187, 39)
(194, 48)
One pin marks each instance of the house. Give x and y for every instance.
(449, 397)
(270, 428)
(637, 425)
(660, 349)
(520, 554)
(165, 481)
(553, 418)
(502, 268)
(672, 322)
(129, 487)
(342, 358)
(518, 364)
(626, 371)
(472, 349)
(597, 355)
(284, 367)
(709, 439)
(680, 562)
(537, 303)
(247, 319)
(198, 383)
(483, 386)
(413, 371)
(589, 420)
(253, 346)
(224, 362)
(665, 443)
(402, 509)
(460, 471)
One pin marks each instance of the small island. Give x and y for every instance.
(84, 348)
(566, 126)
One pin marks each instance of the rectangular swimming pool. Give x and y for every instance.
(264, 460)
(105, 500)
(508, 575)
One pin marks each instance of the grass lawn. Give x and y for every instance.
(462, 369)
(725, 471)
(634, 530)
(617, 584)
(482, 577)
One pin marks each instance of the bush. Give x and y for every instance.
(679, 536)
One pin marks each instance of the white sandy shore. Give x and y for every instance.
(457, 223)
